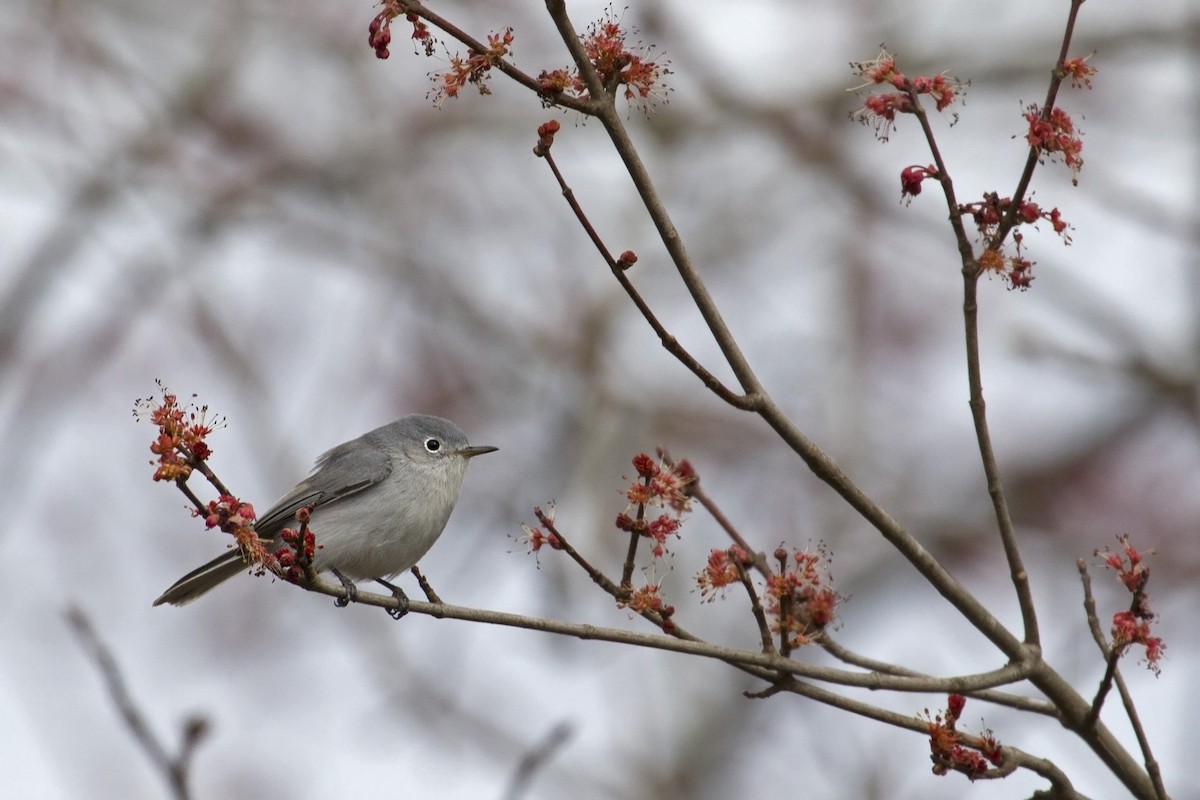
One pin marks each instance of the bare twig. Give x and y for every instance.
(174, 769)
(668, 340)
(764, 630)
(536, 758)
(631, 551)
(425, 586)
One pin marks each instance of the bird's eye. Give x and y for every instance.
(433, 445)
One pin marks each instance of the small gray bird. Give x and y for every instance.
(378, 502)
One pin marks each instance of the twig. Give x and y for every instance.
(181, 484)
(995, 486)
(202, 467)
(425, 586)
(615, 127)
(669, 342)
(696, 491)
(756, 398)
(1111, 654)
(764, 630)
(507, 67)
(1031, 162)
(174, 769)
(1112, 672)
(536, 758)
(634, 540)
(962, 684)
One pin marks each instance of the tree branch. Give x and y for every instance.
(174, 769)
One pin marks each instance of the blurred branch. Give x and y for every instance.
(174, 768)
(536, 758)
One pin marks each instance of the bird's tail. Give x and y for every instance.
(202, 579)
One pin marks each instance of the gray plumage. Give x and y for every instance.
(379, 503)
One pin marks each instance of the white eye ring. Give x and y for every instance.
(433, 445)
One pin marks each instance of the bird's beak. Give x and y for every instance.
(478, 450)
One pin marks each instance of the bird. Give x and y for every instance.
(378, 503)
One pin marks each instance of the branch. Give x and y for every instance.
(587, 107)
(618, 268)
(691, 646)
(536, 758)
(995, 486)
(1056, 78)
(174, 769)
(1111, 672)
(615, 127)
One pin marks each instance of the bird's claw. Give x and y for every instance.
(351, 595)
(401, 599)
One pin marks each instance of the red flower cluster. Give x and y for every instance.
(299, 547)
(1133, 626)
(1079, 72)
(229, 514)
(880, 110)
(946, 749)
(989, 212)
(911, 178)
(721, 571)
(545, 140)
(379, 32)
(236, 518)
(615, 64)
(662, 487)
(1055, 133)
(799, 597)
(541, 535)
(473, 69)
(992, 209)
(182, 431)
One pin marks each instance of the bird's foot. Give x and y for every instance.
(401, 599)
(351, 590)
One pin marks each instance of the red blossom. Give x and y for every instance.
(880, 70)
(1132, 627)
(946, 747)
(721, 571)
(1020, 273)
(606, 44)
(880, 110)
(911, 178)
(182, 432)
(1078, 71)
(379, 32)
(1055, 134)
(799, 598)
(955, 704)
(228, 513)
(645, 466)
(473, 69)
(646, 599)
(660, 486)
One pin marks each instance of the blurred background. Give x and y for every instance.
(238, 198)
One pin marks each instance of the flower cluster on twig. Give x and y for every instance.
(949, 751)
(1132, 626)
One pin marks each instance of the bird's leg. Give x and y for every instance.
(401, 598)
(351, 590)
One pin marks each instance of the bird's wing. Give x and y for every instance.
(345, 470)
